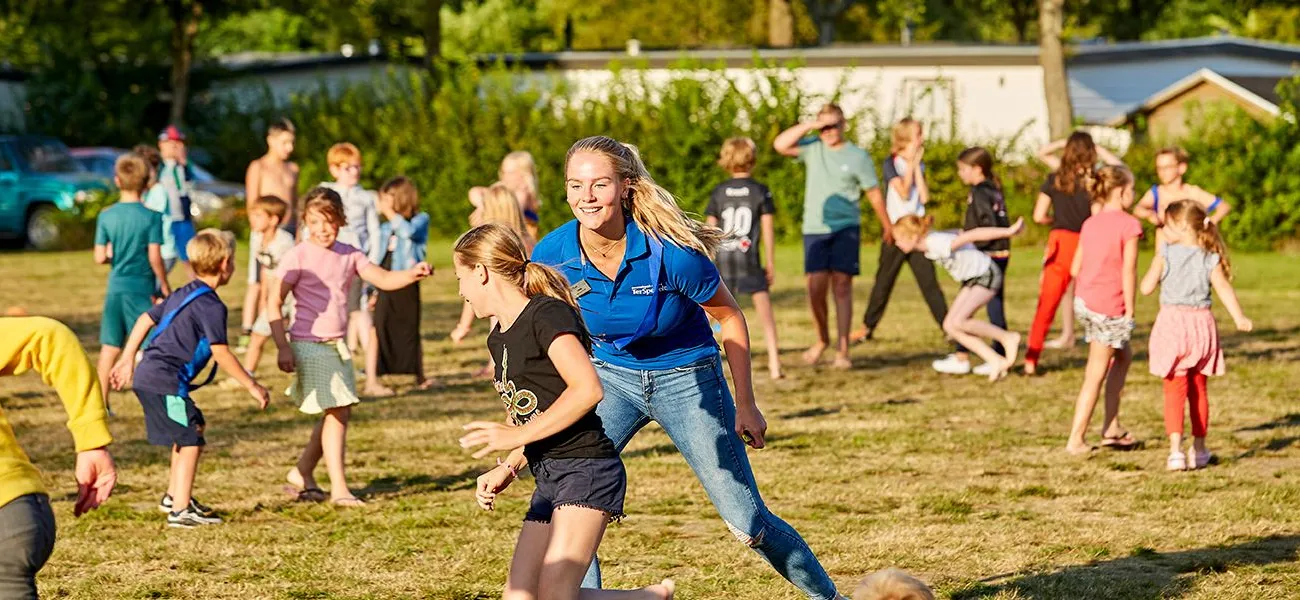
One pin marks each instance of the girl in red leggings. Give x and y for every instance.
(1190, 259)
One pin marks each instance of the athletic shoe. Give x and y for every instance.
(188, 519)
(1177, 461)
(952, 365)
(241, 346)
(1200, 460)
(165, 505)
(984, 369)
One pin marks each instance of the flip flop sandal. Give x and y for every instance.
(1126, 441)
(313, 494)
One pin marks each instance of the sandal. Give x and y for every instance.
(311, 494)
(349, 502)
(1124, 441)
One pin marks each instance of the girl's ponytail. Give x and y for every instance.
(500, 250)
(541, 280)
(1190, 215)
(1106, 180)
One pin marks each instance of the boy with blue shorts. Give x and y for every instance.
(189, 330)
(127, 236)
(174, 177)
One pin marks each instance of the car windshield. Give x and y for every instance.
(47, 156)
(200, 174)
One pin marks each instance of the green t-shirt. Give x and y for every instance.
(833, 185)
(131, 229)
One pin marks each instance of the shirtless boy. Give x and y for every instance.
(272, 174)
(1171, 165)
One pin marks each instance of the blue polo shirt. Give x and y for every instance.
(615, 309)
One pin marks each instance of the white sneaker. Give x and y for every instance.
(985, 369)
(1177, 461)
(951, 365)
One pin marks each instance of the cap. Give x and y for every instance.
(171, 133)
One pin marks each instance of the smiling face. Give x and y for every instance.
(595, 191)
(472, 285)
(320, 230)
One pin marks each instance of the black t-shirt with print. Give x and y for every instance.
(739, 205)
(1069, 211)
(987, 208)
(529, 383)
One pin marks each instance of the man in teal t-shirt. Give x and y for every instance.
(838, 172)
(128, 236)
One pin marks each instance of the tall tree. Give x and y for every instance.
(780, 24)
(1051, 55)
(184, 16)
(824, 12)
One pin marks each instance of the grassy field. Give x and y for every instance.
(964, 483)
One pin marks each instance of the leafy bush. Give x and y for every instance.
(77, 224)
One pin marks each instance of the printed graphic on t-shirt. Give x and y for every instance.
(520, 404)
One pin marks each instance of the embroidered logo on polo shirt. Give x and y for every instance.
(643, 290)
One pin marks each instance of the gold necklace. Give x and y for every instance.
(604, 252)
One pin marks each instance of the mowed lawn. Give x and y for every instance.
(961, 482)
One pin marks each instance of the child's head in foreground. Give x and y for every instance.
(892, 584)
(212, 253)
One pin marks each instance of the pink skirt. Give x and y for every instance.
(1185, 340)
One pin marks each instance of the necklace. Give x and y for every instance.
(604, 252)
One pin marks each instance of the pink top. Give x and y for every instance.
(1101, 274)
(320, 278)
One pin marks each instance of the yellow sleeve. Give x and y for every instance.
(51, 349)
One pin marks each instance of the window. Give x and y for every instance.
(44, 155)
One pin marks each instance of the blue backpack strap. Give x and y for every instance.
(1155, 196)
(1214, 205)
(652, 314)
(171, 314)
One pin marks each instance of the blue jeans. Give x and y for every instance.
(696, 410)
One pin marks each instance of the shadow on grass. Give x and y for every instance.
(1144, 575)
(1289, 420)
(421, 483)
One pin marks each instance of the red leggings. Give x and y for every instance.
(1057, 259)
(1187, 390)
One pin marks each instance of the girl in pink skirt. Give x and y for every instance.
(1190, 259)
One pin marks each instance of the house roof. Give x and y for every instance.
(1206, 76)
(843, 55)
(1105, 53)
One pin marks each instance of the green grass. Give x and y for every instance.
(961, 482)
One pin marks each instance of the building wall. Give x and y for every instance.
(1169, 121)
(282, 85)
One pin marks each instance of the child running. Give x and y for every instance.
(1105, 273)
(1171, 166)
(319, 271)
(129, 237)
(734, 203)
(189, 329)
(403, 240)
(550, 389)
(1190, 260)
(980, 282)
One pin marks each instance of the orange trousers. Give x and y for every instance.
(1061, 245)
(1187, 390)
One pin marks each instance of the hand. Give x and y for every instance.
(260, 394)
(285, 360)
(373, 302)
(422, 270)
(1017, 227)
(490, 484)
(887, 233)
(826, 120)
(108, 250)
(494, 437)
(165, 289)
(750, 425)
(96, 477)
(123, 371)
(770, 272)
(1244, 324)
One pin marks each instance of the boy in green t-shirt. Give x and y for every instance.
(128, 236)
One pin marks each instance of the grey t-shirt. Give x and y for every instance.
(1185, 280)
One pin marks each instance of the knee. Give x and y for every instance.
(514, 593)
(951, 325)
(753, 535)
(340, 414)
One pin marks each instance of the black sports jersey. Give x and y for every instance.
(738, 205)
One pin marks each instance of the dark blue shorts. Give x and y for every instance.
(836, 251)
(171, 420)
(596, 483)
(182, 233)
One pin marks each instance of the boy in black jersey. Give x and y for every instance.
(743, 208)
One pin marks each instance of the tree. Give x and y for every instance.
(780, 24)
(1051, 55)
(184, 16)
(824, 12)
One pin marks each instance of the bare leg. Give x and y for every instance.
(818, 285)
(1094, 374)
(959, 324)
(842, 289)
(374, 387)
(1114, 388)
(303, 475)
(763, 304)
(464, 326)
(254, 353)
(1066, 338)
(251, 306)
(333, 442)
(185, 462)
(107, 356)
(550, 560)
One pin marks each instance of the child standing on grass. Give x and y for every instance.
(319, 271)
(734, 204)
(403, 239)
(175, 178)
(550, 389)
(271, 174)
(1190, 260)
(189, 329)
(269, 243)
(981, 280)
(129, 237)
(1105, 276)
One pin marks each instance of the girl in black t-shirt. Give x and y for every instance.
(544, 375)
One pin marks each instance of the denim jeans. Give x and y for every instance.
(696, 410)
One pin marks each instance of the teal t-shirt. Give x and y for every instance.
(130, 228)
(833, 185)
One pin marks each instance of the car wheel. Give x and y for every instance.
(42, 228)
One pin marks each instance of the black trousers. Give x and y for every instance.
(891, 262)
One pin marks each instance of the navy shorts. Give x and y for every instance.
(182, 233)
(171, 420)
(597, 483)
(836, 251)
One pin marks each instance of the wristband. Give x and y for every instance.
(509, 467)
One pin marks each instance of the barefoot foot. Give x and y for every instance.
(378, 391)
(861, 334)
(1060, 343)
(842, 363)
(1079, 448)
(814, 353)
(665, 589)
(1011, 347)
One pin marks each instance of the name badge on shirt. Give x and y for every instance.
(580, 289)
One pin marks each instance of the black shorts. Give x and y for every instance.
(746, 282)
(596, 483)
(836, 251)
(991, 279)
(171, 420)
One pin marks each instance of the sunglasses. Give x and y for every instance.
(839, 125)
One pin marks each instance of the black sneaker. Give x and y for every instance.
(188, 519)
(165, 505)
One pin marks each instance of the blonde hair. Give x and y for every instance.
(132, 172)
(500, 206)
(521, 158)
(271, 205)
(1190, 215)
(654, 208)
(501, 251)
(904, 133)
(342, 152)
(892, 584)
(406, 198)
(1104, 182)
(209, 249)
(327, 202)
(831, 108)
(737, 155)
(912, 227)
(1177, 152)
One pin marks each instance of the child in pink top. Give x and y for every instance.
(319, 272)
(1105, 272)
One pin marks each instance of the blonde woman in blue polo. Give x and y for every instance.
(642, 274)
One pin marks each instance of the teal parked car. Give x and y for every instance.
(39, 178)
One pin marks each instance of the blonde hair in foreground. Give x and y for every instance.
(209, 249)
(892, 584)
(1190, 215)
(501, 251)
(500, 206)
(654, 208)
